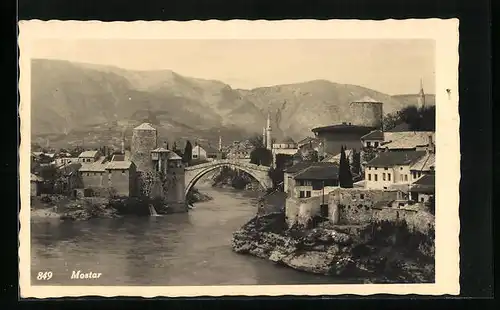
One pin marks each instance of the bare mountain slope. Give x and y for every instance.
(71, 98)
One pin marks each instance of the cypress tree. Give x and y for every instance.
(341, 167)
(188, 153)
(348, 178)
(345, 176)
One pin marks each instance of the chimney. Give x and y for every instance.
(430, 147)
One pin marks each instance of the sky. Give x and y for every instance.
(389, 66)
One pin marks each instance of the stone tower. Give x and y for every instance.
(144, 140)
(421, 96)
(269, 144)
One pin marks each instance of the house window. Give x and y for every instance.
(369, 177)
(383, 176)
(301, 194)
(385, 168)
(375, 144)
(368, 143)
(376, 177)
(361, 196)
(388, 177)
(414, 175)
(195, 156)
(400, 168)
(123, 172)
(422, 199)
(406, 178)
(402, 178)
(308, 194)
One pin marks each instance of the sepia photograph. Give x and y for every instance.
(237, 162)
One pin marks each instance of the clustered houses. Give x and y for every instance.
(92, 174)
(400, 176)
(240, 150)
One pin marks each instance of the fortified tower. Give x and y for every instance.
(176, 173)
(144, 140)
(366, 112)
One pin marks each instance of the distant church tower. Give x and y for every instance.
(269, 144)
(421, 96)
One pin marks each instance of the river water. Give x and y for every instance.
(178, 249)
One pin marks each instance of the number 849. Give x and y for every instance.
(46, 275)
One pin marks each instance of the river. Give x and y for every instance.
(177, 249)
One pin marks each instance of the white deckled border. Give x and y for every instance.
(445, 34)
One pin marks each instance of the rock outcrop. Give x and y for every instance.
(343, 251)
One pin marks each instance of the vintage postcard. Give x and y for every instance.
(218, 158)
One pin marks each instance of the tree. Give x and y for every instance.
(307, 153)
(345, 176)
(261, 156)
(188, 153)
(356, 162)
(418, 119)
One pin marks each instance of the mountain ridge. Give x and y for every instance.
(71, 97)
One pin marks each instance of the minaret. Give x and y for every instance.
(123, 142)
(264, 136)
(421, 96)
(269, 145)
(220, 144)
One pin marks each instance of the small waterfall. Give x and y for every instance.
(152, 211)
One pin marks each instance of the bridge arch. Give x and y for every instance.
(194, 173)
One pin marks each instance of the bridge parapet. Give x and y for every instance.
(260, 173)
(230, 162)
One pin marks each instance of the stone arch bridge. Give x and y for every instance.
(194, 173)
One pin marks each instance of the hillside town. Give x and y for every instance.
(356, 158)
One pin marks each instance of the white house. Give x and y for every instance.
(204, 152)
(88, 156)
(391, 170)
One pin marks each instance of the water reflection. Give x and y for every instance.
(178, 249)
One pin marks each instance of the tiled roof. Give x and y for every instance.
(374, 135)
(426, 180)
(303, 165)
(307, 140)
(406, 139)
(330, 172)
(88, 153)
(118, 157)
(336, 158)
(35, 178)
(160, 150)
(118, 165)
(173, 156)
(145, 126)
(342, 128)
(426, 163)
(389, 159)
(207, 148)
(287, 140)
(93, 167)
(70, 168)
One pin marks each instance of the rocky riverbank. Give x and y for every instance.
(375, 253)
(64, 208)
